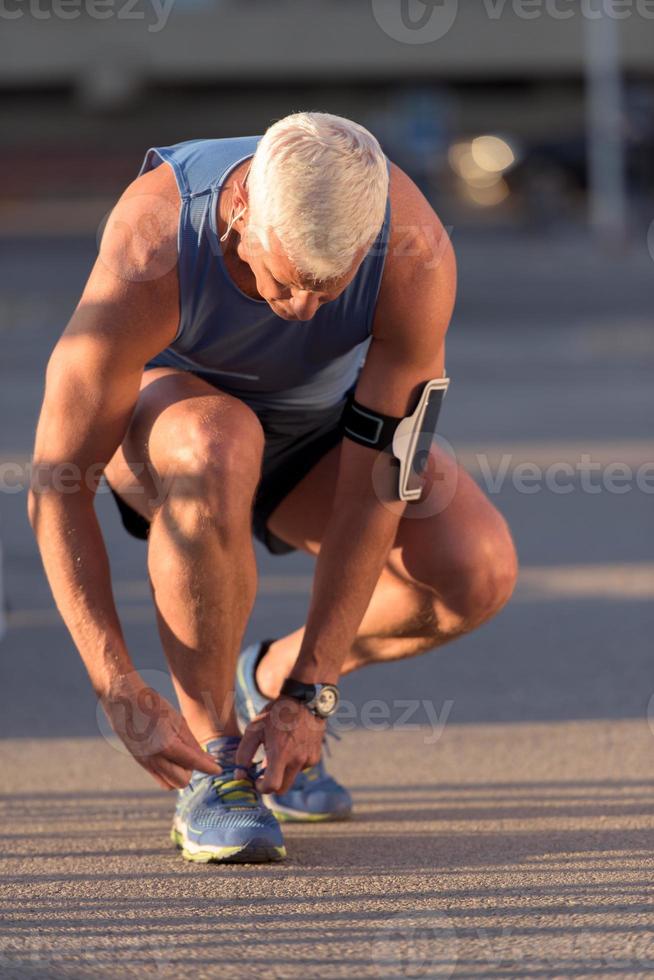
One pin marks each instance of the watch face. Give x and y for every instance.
(327, 701)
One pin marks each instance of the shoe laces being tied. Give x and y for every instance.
(238, 792)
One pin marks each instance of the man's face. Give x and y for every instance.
(278, 282)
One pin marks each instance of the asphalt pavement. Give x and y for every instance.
(503, 786)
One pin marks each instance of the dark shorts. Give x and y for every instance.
(295, 442)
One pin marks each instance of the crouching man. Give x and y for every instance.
(260, 349)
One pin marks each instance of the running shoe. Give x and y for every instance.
(315, 795)
(223, 818)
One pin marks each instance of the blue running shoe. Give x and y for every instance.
(315, 795)
(222, 818)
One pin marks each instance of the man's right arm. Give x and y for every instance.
(128, 312)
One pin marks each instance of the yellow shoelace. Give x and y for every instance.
(240, 791)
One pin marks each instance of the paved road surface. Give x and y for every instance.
(510, 833)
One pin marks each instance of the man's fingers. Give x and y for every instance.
(289, 777)
(163, 783)
(158, 777)
(252, 738)
(177, 776)
(187, 738)
(192, 758)
(272, 779)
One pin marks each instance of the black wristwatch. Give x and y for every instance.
(320, 699)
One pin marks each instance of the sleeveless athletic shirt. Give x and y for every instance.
(235, 342)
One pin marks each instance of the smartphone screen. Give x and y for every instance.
(425, 439)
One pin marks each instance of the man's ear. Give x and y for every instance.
(239, 196)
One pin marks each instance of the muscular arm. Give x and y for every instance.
(126, 314)
(408, 348)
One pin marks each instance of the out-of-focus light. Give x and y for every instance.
(473, 174)
(479, 165)
(492, 154)
(488, 196)
(454, 154)
(463, 163)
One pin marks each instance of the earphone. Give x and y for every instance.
(232, 221)
(234, 218)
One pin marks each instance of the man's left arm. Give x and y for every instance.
(407, 349)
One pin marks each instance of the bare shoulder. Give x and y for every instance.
(419, 245)
(139, 240)
(419, 281)
(130, 304)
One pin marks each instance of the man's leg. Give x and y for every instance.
(190, 464)
(452, 567)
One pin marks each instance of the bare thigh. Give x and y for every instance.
(174, 410)
(453, 520)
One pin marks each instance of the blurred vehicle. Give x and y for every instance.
(551, 177)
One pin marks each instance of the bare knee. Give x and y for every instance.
(213, 465)
(472, 579)
(482, 577)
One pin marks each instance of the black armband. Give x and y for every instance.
(407, 439)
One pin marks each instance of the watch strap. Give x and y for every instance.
(299, 690)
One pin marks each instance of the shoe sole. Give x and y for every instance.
(288, 815)
(255, 852)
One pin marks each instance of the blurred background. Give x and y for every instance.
(530, 127)
(88, 84)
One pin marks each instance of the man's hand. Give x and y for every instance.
(292, 738)
(154, 732)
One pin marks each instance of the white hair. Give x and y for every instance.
(320, 182)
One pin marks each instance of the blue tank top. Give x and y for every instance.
(236, 342)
